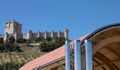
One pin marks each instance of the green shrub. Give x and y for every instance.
(21, 40)
(12, 39)
(49, 46)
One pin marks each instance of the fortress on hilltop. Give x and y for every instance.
(14, 28)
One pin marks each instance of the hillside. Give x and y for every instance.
(14, 55)
(19, 58)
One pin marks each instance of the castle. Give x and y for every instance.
(14, 28)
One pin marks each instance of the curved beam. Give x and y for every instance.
(105, 42)
(101, 65)
(105, 60)
(114, 52)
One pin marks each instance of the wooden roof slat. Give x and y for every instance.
(105, 61)
(99, 64)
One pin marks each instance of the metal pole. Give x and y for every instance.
(67, 55)
(77, 55)
(88, 54)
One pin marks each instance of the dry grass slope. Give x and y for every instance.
(29, 53)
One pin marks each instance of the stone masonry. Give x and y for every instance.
(14, 28)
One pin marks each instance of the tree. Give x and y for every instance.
(9, 47)
(21, 40)
(16, 48)
(59, 42)
(43, 47)
(1, 40)
(11, 39)
(48, 38)
(2, 48)
(38, 39)
(49, 46)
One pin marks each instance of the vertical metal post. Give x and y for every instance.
(77, 55)
(67, 55)
(83, 64)
(88, 54)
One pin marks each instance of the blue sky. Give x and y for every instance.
(79, 16)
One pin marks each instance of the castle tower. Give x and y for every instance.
(12, 28)
(29, 35)
(45, 36)
(38, 34)
(52, 34)
(59, 34)
(66, 31)
(6, 36)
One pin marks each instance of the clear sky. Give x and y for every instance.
(79, 16)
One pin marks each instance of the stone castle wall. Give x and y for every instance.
(14, 28)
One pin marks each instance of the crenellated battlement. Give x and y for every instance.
(14, 28)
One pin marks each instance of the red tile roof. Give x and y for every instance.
(49, 57)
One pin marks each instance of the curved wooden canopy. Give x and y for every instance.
(105, 50)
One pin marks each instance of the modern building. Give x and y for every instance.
(105, 44)
(14, 28)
